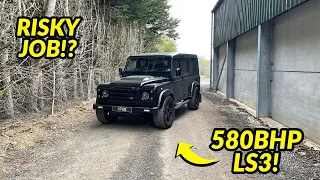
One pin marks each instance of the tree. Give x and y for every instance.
(110, 31)
(152, 15)
(166, 45)
(32, 85)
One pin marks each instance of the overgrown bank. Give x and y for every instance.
(110, 31)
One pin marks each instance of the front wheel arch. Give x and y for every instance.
(165, 115)
(163, 95)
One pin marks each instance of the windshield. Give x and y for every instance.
(155, 65)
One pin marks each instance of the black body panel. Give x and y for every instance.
(127, 91)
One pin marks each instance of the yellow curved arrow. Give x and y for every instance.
(185, 152)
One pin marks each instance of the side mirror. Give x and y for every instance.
(120, 72)
(178, 72)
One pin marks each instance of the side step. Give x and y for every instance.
(179, 104)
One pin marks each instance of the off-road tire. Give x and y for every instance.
(193, 104)
(164, 117)
(104, 118)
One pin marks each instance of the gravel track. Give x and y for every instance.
(134, 149)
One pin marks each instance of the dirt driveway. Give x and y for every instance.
(74, 145)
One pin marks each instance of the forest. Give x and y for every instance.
(110, 31)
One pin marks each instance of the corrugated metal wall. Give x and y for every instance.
(235, 17)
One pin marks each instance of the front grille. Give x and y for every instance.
(124, 85)
(124, 96)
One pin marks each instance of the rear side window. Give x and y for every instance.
(184, 66)
(176, 64)
(193, 64)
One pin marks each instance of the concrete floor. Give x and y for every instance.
(205, 82)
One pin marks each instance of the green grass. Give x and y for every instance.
(204, 68)
(204, 76)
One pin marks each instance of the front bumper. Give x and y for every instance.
(135, 110)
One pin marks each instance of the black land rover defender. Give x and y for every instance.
(151, 84)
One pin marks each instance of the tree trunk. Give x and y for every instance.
(7, 86)
(67, 13)
(36, 64)
(61, 82)
(41, 93)
(81, 84)
(20, 14)
(75, 83)
(53, 92)
(99, 79)
(50, 8)
(34, 90)
(93, 84)
(89, 84)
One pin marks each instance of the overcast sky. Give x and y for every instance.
(194, 28)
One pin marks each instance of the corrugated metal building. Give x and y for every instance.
(266, 54)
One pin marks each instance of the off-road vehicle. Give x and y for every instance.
(151, 84)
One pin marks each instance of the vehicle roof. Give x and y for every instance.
(172, 54)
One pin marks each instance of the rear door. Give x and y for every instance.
(185, 73)
(194, 73)
(178, 81)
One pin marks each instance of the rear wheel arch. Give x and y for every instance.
(194, 85)
(195, 100)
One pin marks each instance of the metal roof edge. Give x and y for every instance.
(157, 54)
(217, 5)
(172, 54)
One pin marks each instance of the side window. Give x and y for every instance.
(184, 67)
(131, 64)
(176, 64)
(193, 64)
(142, 64)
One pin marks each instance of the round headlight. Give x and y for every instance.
(105, 94)
(145, 96)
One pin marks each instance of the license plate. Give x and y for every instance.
(122, 109)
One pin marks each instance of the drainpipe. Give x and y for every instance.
(211, 51)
